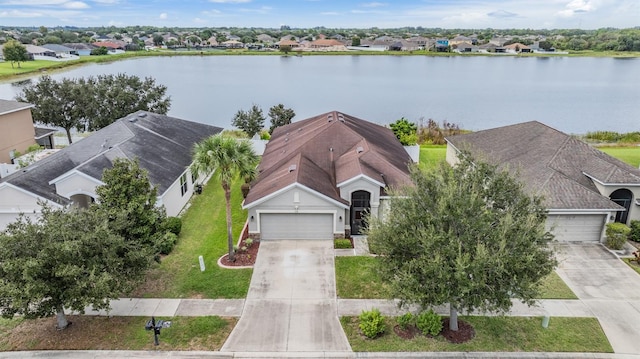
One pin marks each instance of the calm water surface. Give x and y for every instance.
(574, 95)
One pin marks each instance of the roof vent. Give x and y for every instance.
(360, 149)
(329, 118)
(292, 168)
(286, 139)
(142, 115)
(132, 119)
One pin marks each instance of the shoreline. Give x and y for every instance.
(10, 74)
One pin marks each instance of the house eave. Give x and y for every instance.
(285, 189)
(359, 177)
(73, 173)
(29, 106)
(611, 183)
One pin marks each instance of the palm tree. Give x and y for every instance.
(227, 158)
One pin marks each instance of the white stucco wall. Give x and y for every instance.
(634, 210)
(14, 202)
(361, 184)
(297, 199)
(173, 199)
(76, 183)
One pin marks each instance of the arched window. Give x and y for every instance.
(623, 197)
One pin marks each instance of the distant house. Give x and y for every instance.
(517, 48)
(465, 47)
(61, 51)
(320, 177)
(162, 144)
(80, 49)
(290, 43)
(442, 45)
(326, 44)
(112, 46)
(38, 52)
(233, 44)
(584, 189)
(459, 40)
(16, 129)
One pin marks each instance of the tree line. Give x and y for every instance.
(94, 102)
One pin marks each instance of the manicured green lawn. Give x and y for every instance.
(356, 278)
(432, 155)
(114, 333)
(553, 287)
(203, 233)
(630, 154)
(493, 334)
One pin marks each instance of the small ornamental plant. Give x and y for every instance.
(372, 323)
(429, 323)
(405, 321)
(617, 235)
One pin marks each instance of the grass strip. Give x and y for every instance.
(628, 154)
(204, 232)
(493, 334)
(357, 278)
(114, 333)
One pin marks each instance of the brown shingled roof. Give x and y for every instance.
(323, 151)
(550, 163)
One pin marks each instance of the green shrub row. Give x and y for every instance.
(428, 322)
(610, 136)
(342, 243)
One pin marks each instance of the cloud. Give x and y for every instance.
(330, 13)
(502, 14)
(576, 7)
(107, 2)
(230, 1)
(75, 5)
(19, 14)
(163, 16)
(373, 4)
(261, 10)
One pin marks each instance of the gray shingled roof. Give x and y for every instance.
(550, 163)
(327, 150)
(8, 106)
(161, 143)
(44, 131)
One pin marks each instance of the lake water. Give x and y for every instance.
(574, 95)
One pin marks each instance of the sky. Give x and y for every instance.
(467, 14)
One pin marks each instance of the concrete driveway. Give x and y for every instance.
(291, 304)
(608, 287)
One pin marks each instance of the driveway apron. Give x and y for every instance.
(609, 288)
(291, 304)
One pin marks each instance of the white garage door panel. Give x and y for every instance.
(573, 228)
(296, 226)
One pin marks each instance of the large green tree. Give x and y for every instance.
(93, 102)
(128, 200)
(14, 52)
(405, 131)
(280, 116)
(228, 158)
(67, 259)
(116, 96)
(251, 122)
(58, 103)
(469, 236)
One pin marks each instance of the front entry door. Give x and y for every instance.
(360, 207)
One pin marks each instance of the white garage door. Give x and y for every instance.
(571, 228)
(296, 226)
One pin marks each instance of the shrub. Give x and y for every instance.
(617, 235)
(248, 242)
(167, 242)
(372, 323)
(634, 234)
(173, 225)
(429, 323)
(405, 321)
(342, 243)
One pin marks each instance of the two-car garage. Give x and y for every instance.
(296, 225)
(576, 227)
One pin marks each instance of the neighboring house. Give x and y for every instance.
(517, 48)
(61, 50)
(162, 144)
(583, 187)
(465, 47)
(233, 44)
(16, 129)
(291, 43)
(80, 49)
(44, 137)
(320, 177)
(325, 43)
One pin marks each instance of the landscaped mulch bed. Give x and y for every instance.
(464, 334)
(408, 333)
(244, 258)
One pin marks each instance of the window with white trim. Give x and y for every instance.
(183, 184)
